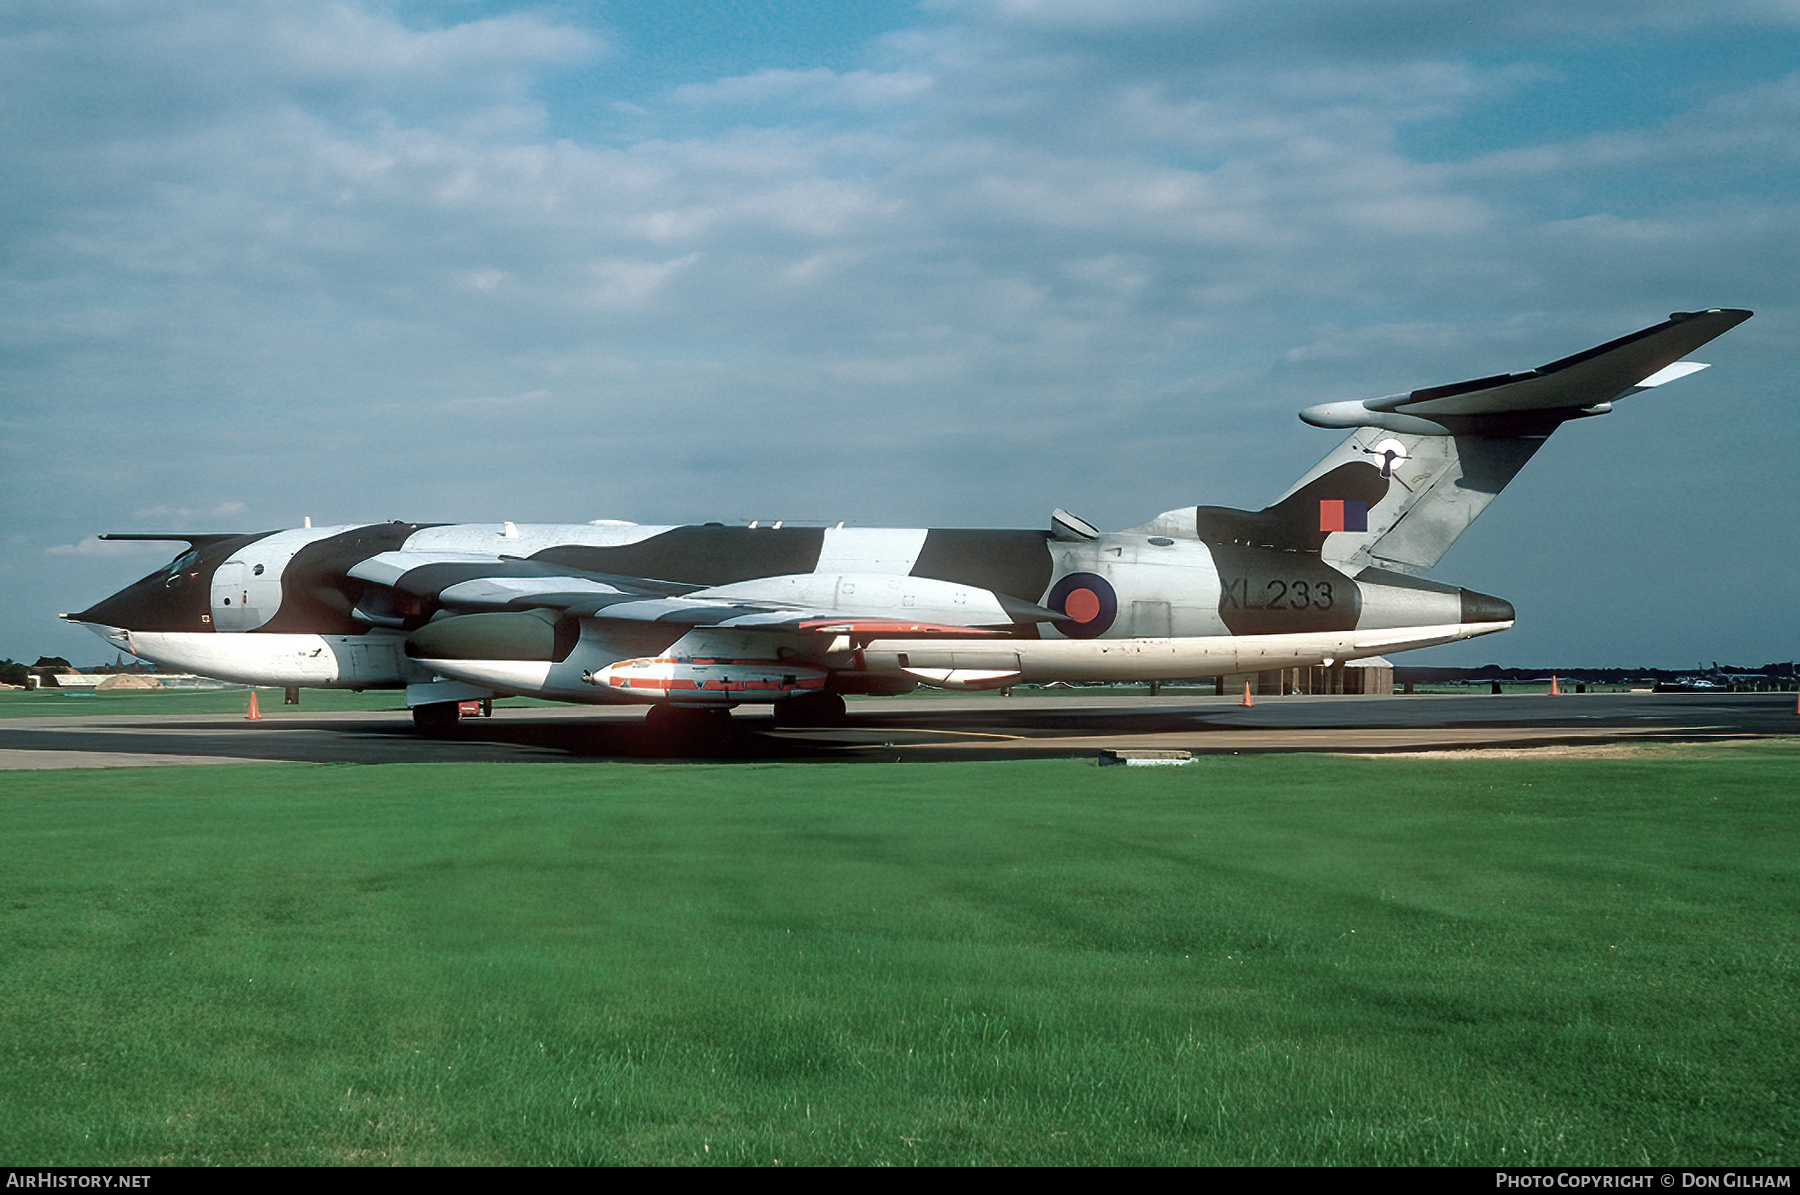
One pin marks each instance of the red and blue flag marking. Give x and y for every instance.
(1343, 514)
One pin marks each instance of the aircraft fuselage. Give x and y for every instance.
(712, 615)
(395, 604)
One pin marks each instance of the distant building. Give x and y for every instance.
(1373, 677)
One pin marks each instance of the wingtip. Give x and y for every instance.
(1737, 314)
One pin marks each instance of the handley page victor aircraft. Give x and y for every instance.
(710, 616)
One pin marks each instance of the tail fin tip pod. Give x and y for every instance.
(1419, 467)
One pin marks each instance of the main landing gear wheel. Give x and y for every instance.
(814, 709)
(436, 719)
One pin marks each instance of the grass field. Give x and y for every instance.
(1259, 959)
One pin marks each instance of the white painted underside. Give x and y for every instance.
(378, 660)
(522, 678)
(1038, 661)
(371, 661)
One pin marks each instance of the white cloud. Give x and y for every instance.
(263, 47)
(627, 283)
(342, 42)
(94, 546)
(181, 518)
(1089, 15)
(1406, 25)
(818, 87)
(1748, 127)
(529, 402)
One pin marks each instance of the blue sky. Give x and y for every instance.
(950, 263)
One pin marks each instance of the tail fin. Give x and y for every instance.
(1430, 489)
(1421, 466)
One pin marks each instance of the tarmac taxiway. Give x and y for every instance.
(987, 726)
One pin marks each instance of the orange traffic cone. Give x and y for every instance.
(1554, 691)
(1247, 700)
(253, 716)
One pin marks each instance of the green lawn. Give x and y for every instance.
(1297, 959)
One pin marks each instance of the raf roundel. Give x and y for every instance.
(1088, 604)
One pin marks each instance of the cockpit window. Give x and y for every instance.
(180, 567)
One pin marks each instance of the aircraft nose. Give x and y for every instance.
(117, 637)
(166, 600)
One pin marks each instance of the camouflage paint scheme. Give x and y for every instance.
(714, 616)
